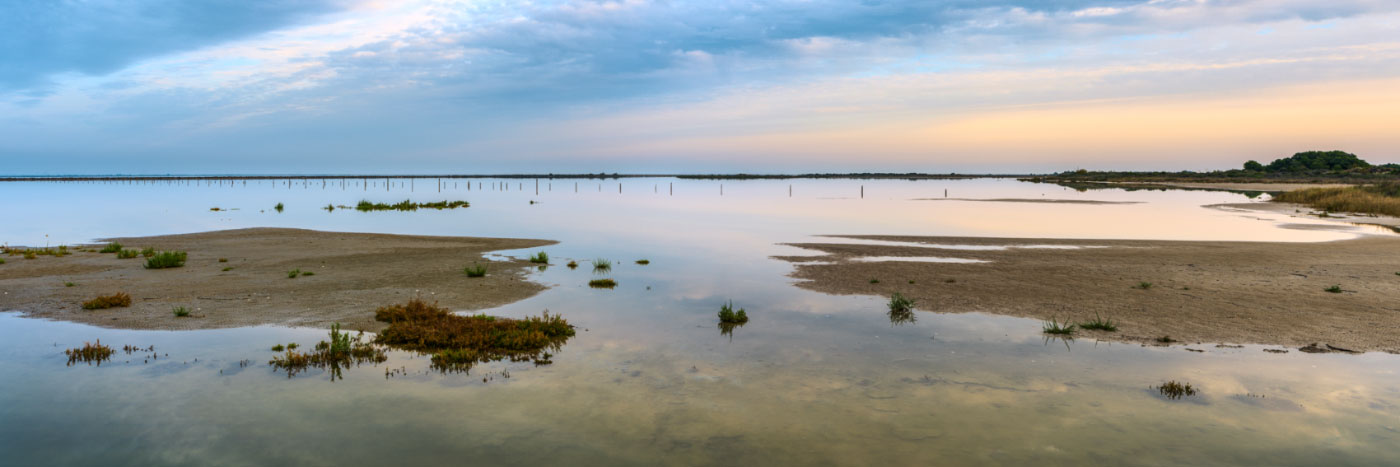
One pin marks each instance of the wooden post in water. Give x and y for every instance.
(673, 188)
(789, 190)
(537, 186)
(862, 192)
(721, 189)
(619, 188)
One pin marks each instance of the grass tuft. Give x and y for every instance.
(128, 254)
(278, 348)
(1334, 289)
(278, 207)
(166, 259)
(600, 265)
(148, 252)
(602, 283)
(574, 265)
(1143, 285)
(643, 262)
(69, 284)
(475, 271)
(111, 248)
(339, 352)
(1381, 198)
(900, 303)
(119, 299)
(293, 274)
(1057, 328)
(181, 312)
(1099, 324)
(223, 260)
(541, 258)
(874, 281)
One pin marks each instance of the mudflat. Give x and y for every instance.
(1199, 292)
(352, 274)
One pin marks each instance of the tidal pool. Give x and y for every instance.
(650, 378)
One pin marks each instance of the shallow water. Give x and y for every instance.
(650, 378)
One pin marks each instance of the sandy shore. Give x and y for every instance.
(354, 274)
(1201, 292)
(1030, 200)
(1301, 211)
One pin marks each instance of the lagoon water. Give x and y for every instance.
(649, 378)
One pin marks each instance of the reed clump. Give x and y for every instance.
(119, 299)
(1057, 328)
(602, 265)
(1099, 324)
(1380, 198)
(540, 258)
(338, 353)
(602, 283)
(1176, 390)
(89, 353)
(900, 303)
(458, 342)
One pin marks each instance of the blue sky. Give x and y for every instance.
(166, 86)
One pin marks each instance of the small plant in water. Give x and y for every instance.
(119, 299)
(278, 348)
(475, 271)
(292, 346)
(166, 259)
(293, 273)
(900, 303)
(181, 312)
(1099, 324)
(643, 262)
(728, 315)
(540, 258)
(278, 207)
(1144, 285)
(1174, 390)
(89, 353)
(602, 283)
(1057, 328)
(574, 265)
(601, 264)
(1334, 289)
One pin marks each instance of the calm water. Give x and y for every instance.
(812, 379)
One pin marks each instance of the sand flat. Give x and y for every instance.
(354, 274)
(1214, 292)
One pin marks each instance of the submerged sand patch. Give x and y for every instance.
(1218, 292)
(354, 273)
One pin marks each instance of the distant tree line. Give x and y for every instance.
(1308, 166)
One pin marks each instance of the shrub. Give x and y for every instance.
(181, 312)
(1334, 289)
(458, 342)
(148, 252)
(278, 207)
(111, 248)
(127, 254)
(541, 258)
(475, 271)
(166, 259)
(119, 299)
(89, 353)
(293, 273)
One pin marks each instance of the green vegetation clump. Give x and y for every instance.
(128, 254)
(227, 269)
(643, 262)
(600, 265)
(1143, 285)
(1057, 328)
(181, 312)
(874, 281)
(308, 273)
(459, 342)
(1316, 161)
(119, 299)
(1099, 324)
(69, 284)
(278, 348)
(339, 352)
(111, 248)
(166, 259)
(148, 252)
(293, 274)
(900, 303)
(408, 205)
(728, 315)
(574, 265)
(541, 258)
(278, 207)
(1381, 198)
(89, 353)
(1334, 289)
(1174, 390)
(602, 283)
(475, 271)
(223, 260)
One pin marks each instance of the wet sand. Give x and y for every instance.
(1298, 210)
(354, 274)
(1201, 292)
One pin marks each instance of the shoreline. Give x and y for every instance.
(354, 273)
(1264, 293)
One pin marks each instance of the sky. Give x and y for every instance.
(636, 86)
